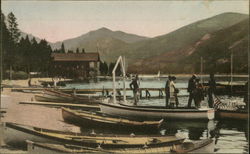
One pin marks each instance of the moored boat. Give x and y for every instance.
(16, 134)
(38, 147)
(95, 119)
(231, 114)
(113, 107)
(156, 112)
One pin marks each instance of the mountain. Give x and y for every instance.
(168, 52)
(95, 39)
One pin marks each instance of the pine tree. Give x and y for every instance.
(105, 68)
(13, 27)
(77, 50)
(62, 48)
(6, 44)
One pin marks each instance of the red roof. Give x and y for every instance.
(75, 56)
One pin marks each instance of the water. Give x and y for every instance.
(230, 136)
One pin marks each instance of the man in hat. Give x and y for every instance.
(211, 90)
(134, 85)
(190, 89)
(167, 92)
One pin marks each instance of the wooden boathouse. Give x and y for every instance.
(75, 65)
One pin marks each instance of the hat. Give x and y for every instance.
(194, 75)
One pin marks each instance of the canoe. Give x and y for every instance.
(61, 96)
(51, 98)
(201, 146)
(156, 112)
(95, 120)
(45, 98)
(61, 104)
(16, 134)
(231, 114)
(48, 148)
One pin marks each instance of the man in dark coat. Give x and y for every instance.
(211, 90)
(135, 87)
(190, 89)
(167, 90)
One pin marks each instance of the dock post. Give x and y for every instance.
(140, 94)
(107, 92)
(147, 94)
(160, 93)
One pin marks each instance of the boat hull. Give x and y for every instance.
(153, 113)
(16, 135)
(34, 147)
(89, 121)
(234, 115)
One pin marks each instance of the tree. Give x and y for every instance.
(62, 48)
(6, 44)
(111, 67)
(105, 68)
(13, 27)
(77, 50)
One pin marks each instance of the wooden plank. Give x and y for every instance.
(70, 105)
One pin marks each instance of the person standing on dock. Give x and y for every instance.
(134, 85)
(172, 92)
(211, 90)
(167, 90)
(190, 89)
(198, 93)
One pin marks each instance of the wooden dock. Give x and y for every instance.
(223, 88)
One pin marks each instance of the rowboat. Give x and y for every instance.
(61, 104)
(56, 98)
(201, 146)
(95, 119)
(16, 134)
(113, 107)
(37, 147)
(156, 112)
(231, 114)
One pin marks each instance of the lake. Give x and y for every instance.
(230, 136)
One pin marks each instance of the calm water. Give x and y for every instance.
(230, 136)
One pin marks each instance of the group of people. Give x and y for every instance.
(195, 89)
(197, 92)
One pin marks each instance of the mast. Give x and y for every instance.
(119, 60)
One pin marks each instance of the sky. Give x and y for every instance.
(60, 20)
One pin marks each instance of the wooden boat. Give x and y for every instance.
(37, 147)
(231, 114)
(201, 146)
(95, 119)
(150, 112)
(61, 96)
(156, 112)
(61, 104)
(16, 134)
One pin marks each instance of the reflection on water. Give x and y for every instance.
(231, 136)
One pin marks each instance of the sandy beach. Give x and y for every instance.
(33, 115)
